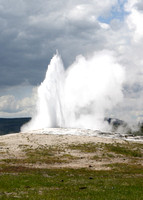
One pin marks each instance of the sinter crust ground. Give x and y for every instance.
(66, 148)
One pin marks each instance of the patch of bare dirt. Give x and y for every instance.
(13, 146)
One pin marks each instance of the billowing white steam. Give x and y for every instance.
(79, 96)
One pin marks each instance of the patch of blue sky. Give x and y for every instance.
(117, 12)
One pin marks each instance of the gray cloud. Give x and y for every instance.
(32, 31)
(139, 5)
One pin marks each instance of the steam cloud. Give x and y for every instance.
(79, 96)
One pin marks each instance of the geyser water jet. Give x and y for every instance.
(79, 96)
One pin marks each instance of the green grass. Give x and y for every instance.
(86, 147)
(42, 154)
(110, 150)
(72, 184)
(121, 182)
(92, 147)
(48, 155)
(127, 150)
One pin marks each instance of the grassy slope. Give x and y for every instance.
(122, 182)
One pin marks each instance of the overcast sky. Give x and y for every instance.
(31, 31)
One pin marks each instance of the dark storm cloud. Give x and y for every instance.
(31, 31)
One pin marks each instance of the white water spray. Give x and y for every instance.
(79, 96)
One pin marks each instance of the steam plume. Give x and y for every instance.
(79, 96)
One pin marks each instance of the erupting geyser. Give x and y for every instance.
(79, 96)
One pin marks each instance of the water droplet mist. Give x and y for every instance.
(80, 96)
